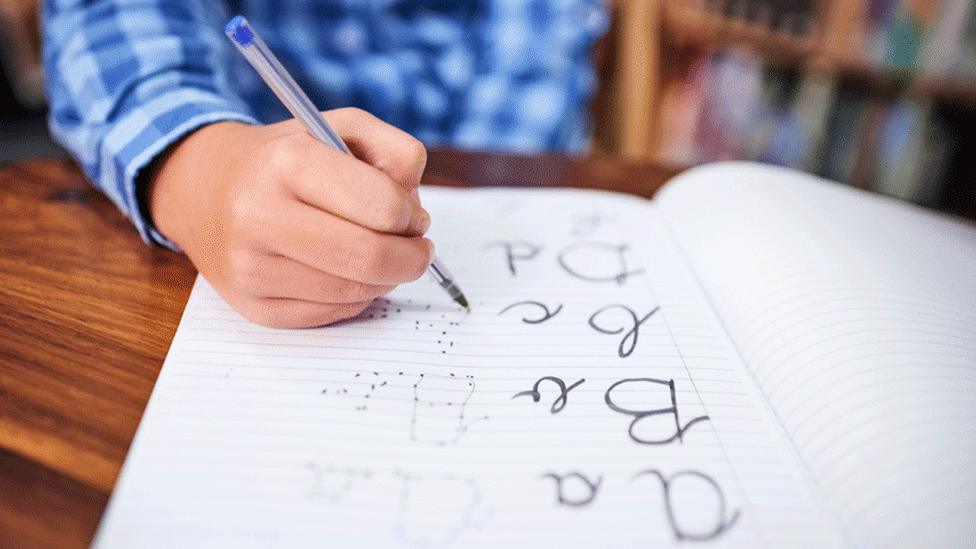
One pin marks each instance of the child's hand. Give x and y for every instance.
(290, 231)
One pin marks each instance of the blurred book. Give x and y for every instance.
(878, 17)
(845, 128)
(863, 171)
(796, 107)
(793, 16)
(865, 114)
(915, 153)
(814, 98)
(937, 153)
(967, 44)
(778, 137)
(682, 102)
(900, 149)
(914, 21)
(944, 49)
(789, 16)
(731, 103)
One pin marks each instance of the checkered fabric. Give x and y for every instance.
(127, 78)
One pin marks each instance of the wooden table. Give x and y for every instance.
(87, 313)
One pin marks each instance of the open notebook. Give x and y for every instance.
(756, 358)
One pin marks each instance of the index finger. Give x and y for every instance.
(387, 148)
(347, 187)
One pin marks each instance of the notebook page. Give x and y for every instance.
(591, 399)
(857, 316)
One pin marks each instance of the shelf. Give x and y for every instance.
(690, 26)
(948, 89)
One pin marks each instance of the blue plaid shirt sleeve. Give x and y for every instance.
(126, 79)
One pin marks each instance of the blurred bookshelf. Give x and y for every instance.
(880, 94)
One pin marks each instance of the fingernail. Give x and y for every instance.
(421, 221)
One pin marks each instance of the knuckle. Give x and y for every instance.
(338, 313)
(349, 310)
(240, 261)
(417, 152)
(372, 261)
(354, 292)
(244, 276)
(345, 292)
(390, 210)
(240, 208)
(245, 210)
(358, 308)
(421, 260)
(353, 113)
(283, 155)
(419, 270)
(260, 311)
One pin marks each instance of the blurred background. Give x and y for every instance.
(880, 94)
(22, 126)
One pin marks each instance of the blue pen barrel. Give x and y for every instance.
(257, 53)
(254, 49)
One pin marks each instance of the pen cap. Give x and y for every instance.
(274, 74)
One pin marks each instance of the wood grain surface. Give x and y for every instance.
(87, 313)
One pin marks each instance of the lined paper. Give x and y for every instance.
(857, 317)
(592, 398)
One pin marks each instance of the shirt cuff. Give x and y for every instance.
(144, 134)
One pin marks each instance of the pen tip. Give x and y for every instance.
(462, 301)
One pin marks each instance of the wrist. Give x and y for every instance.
(176, 183)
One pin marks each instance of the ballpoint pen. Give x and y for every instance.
(257, 53)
